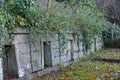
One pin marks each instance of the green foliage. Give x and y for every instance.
(107, 37)
(20, 13)
(84, 18)
(76, 16)
(89, 21)
(88, 69)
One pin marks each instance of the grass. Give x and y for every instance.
(88, 69)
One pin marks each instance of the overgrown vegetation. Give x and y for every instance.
(111, 35)
(78, 17)
(89, 69)
(110, 39)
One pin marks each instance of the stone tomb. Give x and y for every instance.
(25, 59)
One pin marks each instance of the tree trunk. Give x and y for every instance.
(49, 4)
(112, 33)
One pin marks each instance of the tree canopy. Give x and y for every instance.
(111, 8)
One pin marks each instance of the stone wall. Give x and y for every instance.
(1, 70)
(43, 55)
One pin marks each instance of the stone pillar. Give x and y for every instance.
(1, 70)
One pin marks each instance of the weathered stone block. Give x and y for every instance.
(36, 46)
(92, 47)
(1, 76)
(75, 46)
(20, 38)
(69, 36)
(45, 37)
(63, 58)
(36, 65)
(55, 52)
(27, 68)
(80, 54)
(54, 45)
(36, 56)
(68, 57)
(20, 30)
(64, 53)
(55, 61)
(75, 55)
(21, 71)
(1, 70)
(22, 48)
(69, 45)
(24, 58)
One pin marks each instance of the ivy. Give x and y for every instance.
(88, 20)
(76, 16)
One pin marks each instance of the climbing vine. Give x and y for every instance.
(88, 20)
(76, 16)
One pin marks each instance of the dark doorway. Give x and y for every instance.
(10, 69)
(47, 54)
(72, 56)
